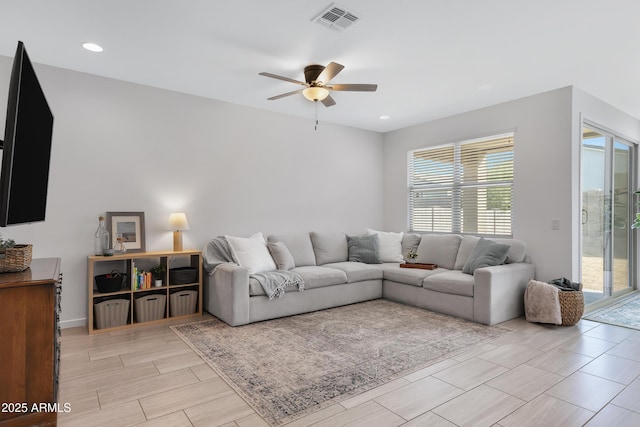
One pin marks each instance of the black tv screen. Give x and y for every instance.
(26, 149)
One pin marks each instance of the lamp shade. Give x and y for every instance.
(178, 221)
(315, 93)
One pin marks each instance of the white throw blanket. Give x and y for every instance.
(542, 303)
(275, 282)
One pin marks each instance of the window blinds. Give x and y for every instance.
(462, 188)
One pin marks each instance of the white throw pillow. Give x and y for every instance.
(390, 245)
(251, 253)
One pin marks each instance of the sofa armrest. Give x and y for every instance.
(226, 294)
(498, 293)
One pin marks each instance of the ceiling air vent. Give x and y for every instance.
(336, 17)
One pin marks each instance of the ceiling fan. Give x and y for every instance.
(316, 87)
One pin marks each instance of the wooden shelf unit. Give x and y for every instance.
(102, 264)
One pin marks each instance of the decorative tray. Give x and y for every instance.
(422, 266)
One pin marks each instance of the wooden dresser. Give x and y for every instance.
(29, 351)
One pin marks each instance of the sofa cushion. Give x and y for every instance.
(487, 253)
(357, 271)
(329, 247)
(410, 276)
(251, 253)
(517, 250)
(281, 255)
(450, 282)
(390, 245)
(364, 249)
(299, 244)
(440, 249)
(386, 266)
(318, 277)
(410, 242)
(255, 288)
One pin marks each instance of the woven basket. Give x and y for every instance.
(15, 259)
(183, 303)
(150, 307)
(111, 313)
(571, 306)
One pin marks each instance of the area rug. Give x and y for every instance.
(625, 312)
(289, 367)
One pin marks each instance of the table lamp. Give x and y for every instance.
(178, 223)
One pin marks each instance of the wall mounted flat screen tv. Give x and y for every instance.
(26, 149)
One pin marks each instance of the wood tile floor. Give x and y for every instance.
(588, 374)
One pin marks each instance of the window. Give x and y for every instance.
(464, 187)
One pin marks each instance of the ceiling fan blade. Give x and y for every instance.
(273, 98)
(286, 79)
(328, 101)
(354, 87)
(329, 72)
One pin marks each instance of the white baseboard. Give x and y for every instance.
(64, 324)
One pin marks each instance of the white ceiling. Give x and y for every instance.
(429, 57)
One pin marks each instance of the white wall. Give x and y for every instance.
(234, 170)
(542, 182)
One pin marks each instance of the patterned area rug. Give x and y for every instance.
(287, 368)
(624, 313)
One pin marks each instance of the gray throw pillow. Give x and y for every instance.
(486, 254)
(364, 249)
(281, 255)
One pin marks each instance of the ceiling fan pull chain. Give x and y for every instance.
(316, 102)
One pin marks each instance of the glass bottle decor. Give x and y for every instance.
(101, 238)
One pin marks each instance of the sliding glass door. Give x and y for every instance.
(621, 216)
(607, 214)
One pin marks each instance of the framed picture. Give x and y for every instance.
(129, 226)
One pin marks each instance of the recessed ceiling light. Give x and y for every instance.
(384, 117)
(92, 47)
(485, 86)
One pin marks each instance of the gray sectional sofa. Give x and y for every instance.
(488, 295)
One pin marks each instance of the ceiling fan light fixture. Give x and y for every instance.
(315, 93)
(315, 82)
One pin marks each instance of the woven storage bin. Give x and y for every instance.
(182, 303)
(571, 306)
(15, 259)
(110, 282)
(150, 307)
(111, 313)
(183, 275)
